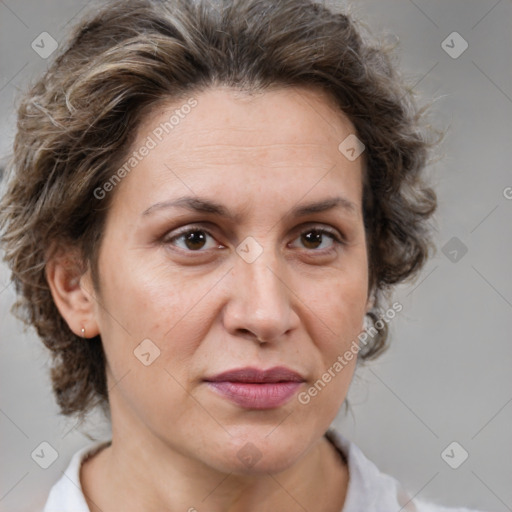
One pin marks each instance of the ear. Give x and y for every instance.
(371, 301)
(369, 305)
(72, 291)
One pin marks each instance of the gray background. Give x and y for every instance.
(447, 375)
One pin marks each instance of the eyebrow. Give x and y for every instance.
(204, 205)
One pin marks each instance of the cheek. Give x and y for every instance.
(339, 350)
(340, 310)
(137, 295)
(150, 330)
(339, 305)
(141, 302)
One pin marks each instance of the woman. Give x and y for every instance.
(208, 204)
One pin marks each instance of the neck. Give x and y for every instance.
(141, 471)
(153, 477)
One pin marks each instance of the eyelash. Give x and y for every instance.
(193, 228)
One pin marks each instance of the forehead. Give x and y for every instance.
(223, 115)
(287, 138)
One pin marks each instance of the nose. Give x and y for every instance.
(261, 301)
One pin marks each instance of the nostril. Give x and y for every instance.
(246, 333)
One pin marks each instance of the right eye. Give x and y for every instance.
(191, 239)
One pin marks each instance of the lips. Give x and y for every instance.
(256, 376)
(252, 388)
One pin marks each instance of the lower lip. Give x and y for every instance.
(256, 396)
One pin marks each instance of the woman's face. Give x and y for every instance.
(211, 261)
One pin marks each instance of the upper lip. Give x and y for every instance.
(256, 375)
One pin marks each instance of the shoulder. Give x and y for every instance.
(373, 491)
(67, 494)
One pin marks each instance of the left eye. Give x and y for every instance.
(314, 238)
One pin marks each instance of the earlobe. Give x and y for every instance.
(72, 292)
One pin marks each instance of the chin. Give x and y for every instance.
(257, 450)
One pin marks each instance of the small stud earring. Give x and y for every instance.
(83, 332)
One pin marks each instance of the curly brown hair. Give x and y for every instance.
(77, 123)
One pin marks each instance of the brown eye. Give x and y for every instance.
(318, 239)
(192, 240)
(312, 239)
